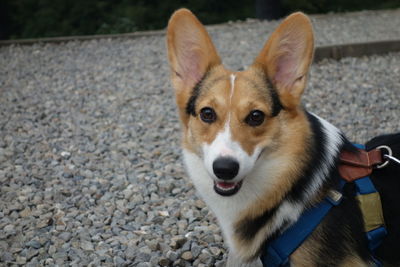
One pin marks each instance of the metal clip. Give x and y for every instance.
(392, 158)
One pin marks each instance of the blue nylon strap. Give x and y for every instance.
(375, 237)
(273, 258)
(359, 146)
(365, 186)
(279, 250)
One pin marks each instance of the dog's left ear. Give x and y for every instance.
(190, 50)
(286, 58)
(191, 54)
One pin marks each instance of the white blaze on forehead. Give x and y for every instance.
(233, 78)
(224, 146)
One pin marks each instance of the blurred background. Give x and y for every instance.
(50, 18)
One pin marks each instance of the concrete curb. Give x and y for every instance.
(321, 52)
(57, 40)
(356, 49)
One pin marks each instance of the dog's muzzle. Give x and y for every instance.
(226, 169)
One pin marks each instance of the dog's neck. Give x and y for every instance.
(245, 235)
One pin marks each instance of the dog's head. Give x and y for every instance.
(231, 118)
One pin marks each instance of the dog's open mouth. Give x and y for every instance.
(227, 188)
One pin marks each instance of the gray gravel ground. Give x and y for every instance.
(90, 168)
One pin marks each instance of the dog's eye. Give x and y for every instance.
(208, 115)
(255, 118)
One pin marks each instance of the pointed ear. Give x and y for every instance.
(286, 58)
(190, 50)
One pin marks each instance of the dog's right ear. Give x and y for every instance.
(190, 51)
(287, 56)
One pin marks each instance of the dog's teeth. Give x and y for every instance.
(227, 189)
(226, 186)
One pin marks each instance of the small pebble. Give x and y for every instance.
(187, 255)
(91, 167)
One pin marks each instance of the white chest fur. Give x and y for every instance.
(226, 209)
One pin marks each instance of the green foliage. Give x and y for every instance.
(324, 6)
(49, 18)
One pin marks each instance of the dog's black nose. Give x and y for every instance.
(226, 168)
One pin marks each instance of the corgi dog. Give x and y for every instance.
(255, 155)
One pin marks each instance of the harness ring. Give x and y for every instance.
(389, 154)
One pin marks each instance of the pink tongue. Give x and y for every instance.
(226, 185)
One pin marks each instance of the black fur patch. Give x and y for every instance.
(317, 153)
(318, 156)
(276, 102)
(191, 104)
(248, 228)
(342, 232)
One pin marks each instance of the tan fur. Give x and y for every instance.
(215, 91)
(247, 96)
(293, 34)
(307, 254)
(284, 138)
(189, 44)
(290, 143)
(191, 53)
(353, 261)
(304, 256)
(250, 94)
(287, 146)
